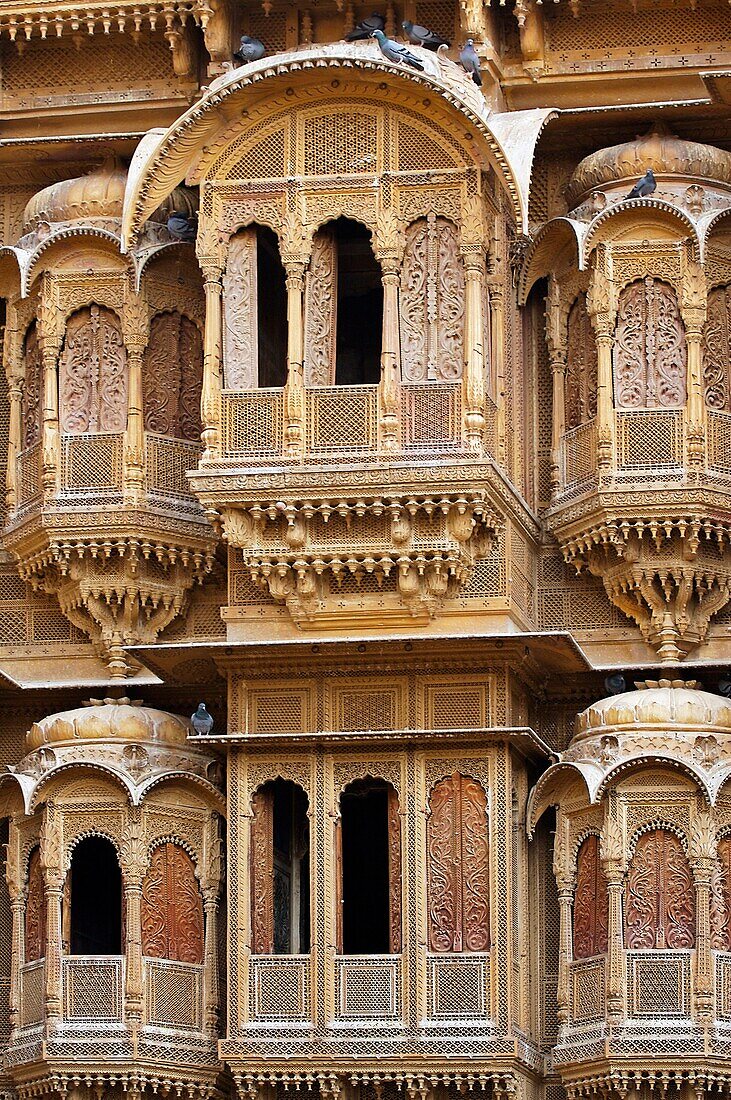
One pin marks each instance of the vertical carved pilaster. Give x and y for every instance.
(135, 329)
(15, 395)
(294, 391)
(693, 309)
(497, 352)
(211, 882)
(133, 860)
(600, 306)
(565, 884)
(556, 341)
(49, 338)
(614, 864)
(53, 878)
(18, 895)
(211, 389)
(702, 857)
(390, 354)
(474, 374)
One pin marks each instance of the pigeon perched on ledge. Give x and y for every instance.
(644, 186)
(422, 36)
(471, 61)
(366, 27)
(397, 53)
(250, 49)
(201, 720)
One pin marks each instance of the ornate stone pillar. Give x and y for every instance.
(53, 878)
(702, 857)
(135, 322)
(211, 887)
(133, 860)
(693, 308)
(15, 438)
(497, 349)
(49, 339)
(557, 350)
(390, 352)
(565, 877)
(474, 335)
(211, 259)
(18, 891)
(600, 307)
(294, 391)
(614, 864)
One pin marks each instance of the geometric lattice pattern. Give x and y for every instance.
(368, 988)
(280, 988)
(93, 988)
(588, 991)
(174, 994)
(458, 987)
(658, 983)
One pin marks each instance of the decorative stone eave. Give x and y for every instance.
(163, 160)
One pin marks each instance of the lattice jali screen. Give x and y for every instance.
(342, 418)
(92, 461)
(29, 464)
(368, 988)
(280, 710)
(458, 986)
(279, 988)
(723, 986)
(651, 440)
(719, 441)
(587, 990)
(251, 423)
(418, 152)
(92, 988)
(614, 27)
(32, 990)
(367, 708)
(174, 994)
(456, 705)
(340, 142)
(658, 983)
(167, 461)
(578, 452)
(431, 415)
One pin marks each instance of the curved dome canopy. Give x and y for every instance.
(110, 720)
(656, 705)
(659, 150)
(99, 194)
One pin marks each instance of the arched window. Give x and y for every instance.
(717, 349)
(172, 907)
(32, 388)
(659, 894)
(255, 312)
(581, 366)
(458, 866)
(95, 899)
(368, 840)
(591, 902)
(343, 307)
(280, 870)
(35, 910)
(172, 376)
(721, 898)
(432, 302)
(93, 373)
(649, 347)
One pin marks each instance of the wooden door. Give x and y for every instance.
(457, 866)
(172, 907)
(649, 347)
(35, 910)
(721, 898)
(262, 872)
(659, 894)
(591, 902)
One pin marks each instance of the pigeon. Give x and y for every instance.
(366, 27)
(395, 52)
(182, 227)
(250, 49)
(201, 721)
(422, 36)
(644, 186)
(471, 62)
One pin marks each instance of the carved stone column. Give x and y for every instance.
(18, 898)
(694, 296)
(497, 349)
(390, 351)
(211, 888)
(294, 391)
(15, 433)
(599, 304)
(474, 374)
(614, 864)
(53, 877)
(211, 259)
(135, 321)
(702, 856)
(133, 860)
(557, 351)
(49, 339)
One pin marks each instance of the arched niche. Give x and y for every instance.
(92, 373)
(254, 311)
(649, 353)
(172, 906)
(172, 376)
(432, 302)
(92, 917)
(580, 386)
(32, 393)
(659, 905)
(280, 869)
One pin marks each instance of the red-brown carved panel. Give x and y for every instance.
(32, 388)
(262, 872)
(172, 907)
(649, 347)
(394, 871)
(591, 902)
(457, 866)
(659, 894)
(35, 910)
(717, 349)
(172, 376)
(93, 373)
(581, 366)
(721, 898)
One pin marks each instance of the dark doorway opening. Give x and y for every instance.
(291, 869)
(96, 899)
(271, 307)
(359, 308)
(365, 868)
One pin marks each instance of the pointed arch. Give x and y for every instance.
(172, 906)
(659, 894)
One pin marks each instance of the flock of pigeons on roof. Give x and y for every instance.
(253, 49)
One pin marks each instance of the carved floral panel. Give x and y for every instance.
(659, 894)
(432, 302)
(240, 336)
(581, 366)
(321, 296)
(721, 898)
(262, 872)
(35, 910)
(649, 347)
(591, 902)
(394, 871)
(172, 907)
(32, 388)
(93, 373)
(173, 376)
(717, 349)
(457, 866)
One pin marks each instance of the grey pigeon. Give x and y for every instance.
(201, 721)
(471, 62)
(395, 52)
(366, 27)
(422, 36)
(181, 226)
(644, 186)
(250, 49)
